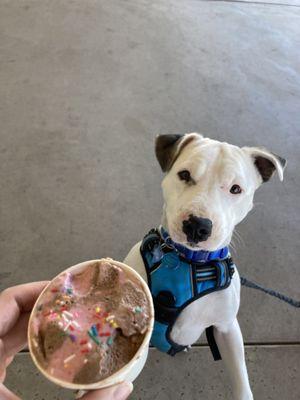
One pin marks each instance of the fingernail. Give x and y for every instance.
(123, 391)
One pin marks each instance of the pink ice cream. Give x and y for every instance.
(88, 325)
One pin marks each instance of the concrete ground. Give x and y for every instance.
(85, 87)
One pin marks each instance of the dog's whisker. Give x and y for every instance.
(259, 203)
(233, 246)
(235, 238)
(239, 237)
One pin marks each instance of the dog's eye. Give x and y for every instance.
(235, 189)
(184, 175)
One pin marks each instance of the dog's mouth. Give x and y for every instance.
(192, 244)
(211, 244)
(189, 244)
(195, 246)
(205, 246)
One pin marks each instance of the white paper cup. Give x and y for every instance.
(132, 369)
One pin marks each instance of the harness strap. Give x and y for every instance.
(212, 343)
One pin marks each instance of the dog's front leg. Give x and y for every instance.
(230, 342)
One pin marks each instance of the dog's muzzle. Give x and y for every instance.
(197, 229)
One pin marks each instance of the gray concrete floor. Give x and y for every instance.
(191, 376)
(85, 87)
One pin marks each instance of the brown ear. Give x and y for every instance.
(168, 148)
(267, 162)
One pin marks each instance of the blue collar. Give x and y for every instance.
(194, 255)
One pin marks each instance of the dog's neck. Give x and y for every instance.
(193, 255)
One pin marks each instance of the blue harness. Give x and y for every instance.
(178, 276)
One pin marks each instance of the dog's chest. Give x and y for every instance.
(217, 308)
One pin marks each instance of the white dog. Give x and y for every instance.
(208, 189)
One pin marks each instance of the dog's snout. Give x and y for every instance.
(197, 229)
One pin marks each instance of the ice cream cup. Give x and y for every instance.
(128, 372)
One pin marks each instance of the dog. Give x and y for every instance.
(208, 189)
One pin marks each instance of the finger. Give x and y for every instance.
(3, 368)
(16, 339)
(8, 361)
(2, 374)
(117, 392)
(6, 394)
(15, 300)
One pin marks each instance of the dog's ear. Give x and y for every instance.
(168, 148)
(266, 162)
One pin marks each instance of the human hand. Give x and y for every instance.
(116, 392)
(16, 304)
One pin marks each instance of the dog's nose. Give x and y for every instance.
(197, 229)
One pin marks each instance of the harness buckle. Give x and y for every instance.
(164, 305)
(230, 266)
(166, 247)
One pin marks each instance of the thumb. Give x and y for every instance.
(6, 394)
(116, 392)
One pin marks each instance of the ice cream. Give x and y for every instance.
(89, 323)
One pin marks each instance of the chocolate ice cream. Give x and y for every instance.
(89, 324)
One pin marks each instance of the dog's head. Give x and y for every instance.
(209, 186)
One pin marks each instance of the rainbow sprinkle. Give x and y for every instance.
(110, 341)
(94, 330)
(93, 337)
(68, 359)
(105, 334)
(68, 314)
(64, 317)
(67, 326)
(72, 337)
(83, 351)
